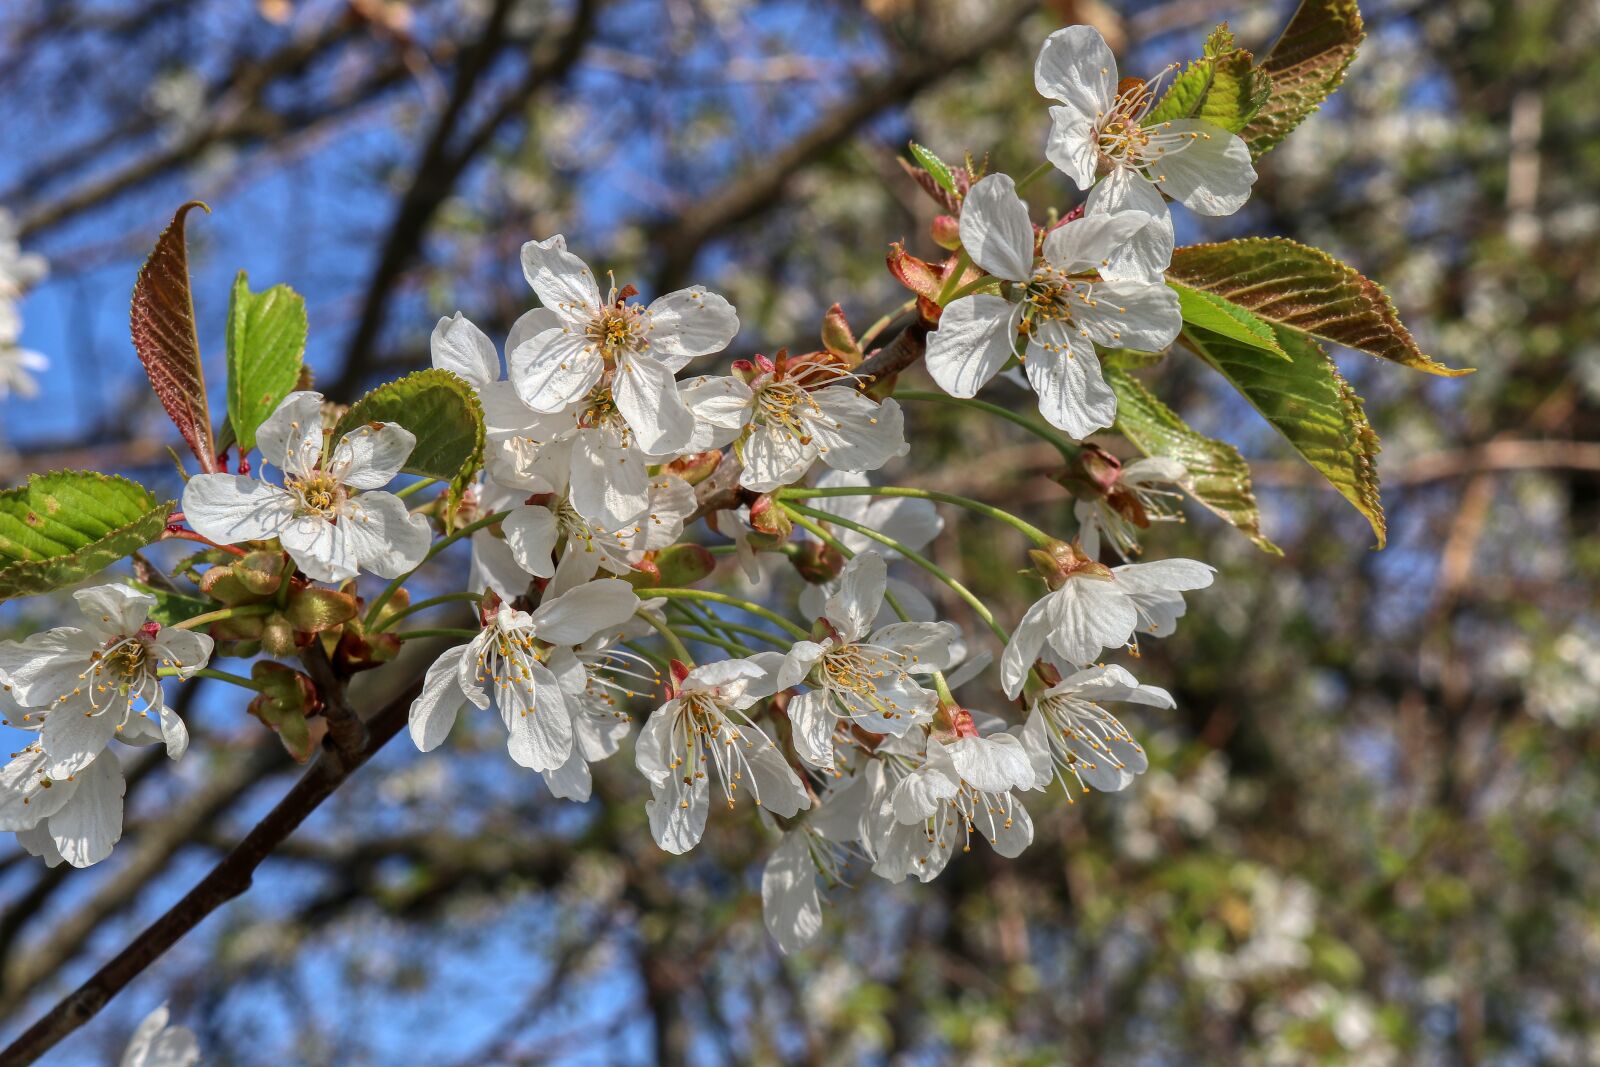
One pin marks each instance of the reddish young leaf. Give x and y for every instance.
(168, 344)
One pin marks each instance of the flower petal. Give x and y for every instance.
(291, 437)
(1146, 255)
(319, 548)
(1076, 67)
(552, 369)
(647, 396)
(813, 721)
(1133, 314)
(1212, 175)
(368, 457)
(460, 347)
(688, 323)
(561, 280)
(790, 906)
(384, 537)
(73, 736)
(230, 508)
(995, 229)
(1090, 242)
(114, 610)
(1073, 395)
(577, 615)
(91, 823)
(531, 533)
(855, 434)
(538, 725)
(976, 336)
(1073, 146)
(434, 711)
(855, 606)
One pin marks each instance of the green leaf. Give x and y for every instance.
(1308, 402)
(1305, 289)
(937, 168)
(62, 527)
(1223, 87)
(266, 342)
(1219, 478)
(173, 607)
(1211, 312)
(442, 411)
(164, 336)
(1306, 64)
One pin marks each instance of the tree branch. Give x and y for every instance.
(228, 879)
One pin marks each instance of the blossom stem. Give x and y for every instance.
(729, 628)
(952, 283)
(222, 676)
(735, 602)
(1068, 449)
(1038, 536)
(243, 611)
(723, 643)
(422, 605)
(675, 643)
(416, 487)
(446, 631)
(838, 546)
(190, 535)
(1034, 175)
(882, 324)
(920, 560)
(438, 546)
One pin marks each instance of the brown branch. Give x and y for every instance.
(345, 729)
(228, 879)
(682, 239)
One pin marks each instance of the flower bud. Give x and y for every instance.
(289, 706)
(766, 517)
(695, 468)
(817, 562)
(947, 232)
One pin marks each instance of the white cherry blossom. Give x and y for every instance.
(1131, 502)
(638, 349)
(704, 729)
(1068, 732)
(95, 681)
(1091, 607)
(1062, 307)
(781, 417)
(1099, 133)
(515, 663)
(864, 675)
(330, 513)
(156, 1044)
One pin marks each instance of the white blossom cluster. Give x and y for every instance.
(19, 272)
(835, 716)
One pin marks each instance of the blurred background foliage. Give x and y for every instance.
(1369, 833)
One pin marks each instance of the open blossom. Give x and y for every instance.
(329, 514)
(94, 681)
(637, 350)
(923, 797)
(1099, 131)
(783, 415)
(1091, 607)
(703, 728)
(19, 271)
(1062, 307)
(1128, 499)
(864, 675)
(515, 663)
(156, 1044)
(610, 674)
(533, 532)
(1069, 732)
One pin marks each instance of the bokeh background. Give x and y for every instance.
(1369, 833)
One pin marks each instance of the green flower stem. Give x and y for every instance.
(423, 605)
(656, 661)
(972, 287)
(416, 487)
(882, 324)
(1034, 175)
(838, 546)
(734, 602)
(674, 642)
(1038, 536)
(243, 611)
(952, 283)
(406, 635)
(942, 687)
(729, 628)
(438, 546)
(1068, 449)
(697, 616)
(920, 560)
(222, 676)
(697, 634)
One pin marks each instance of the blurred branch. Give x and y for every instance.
(440, 168)
(679, 241)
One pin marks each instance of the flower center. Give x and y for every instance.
(617, 329)
(787, 405)
(320, 494)
(855, 672)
